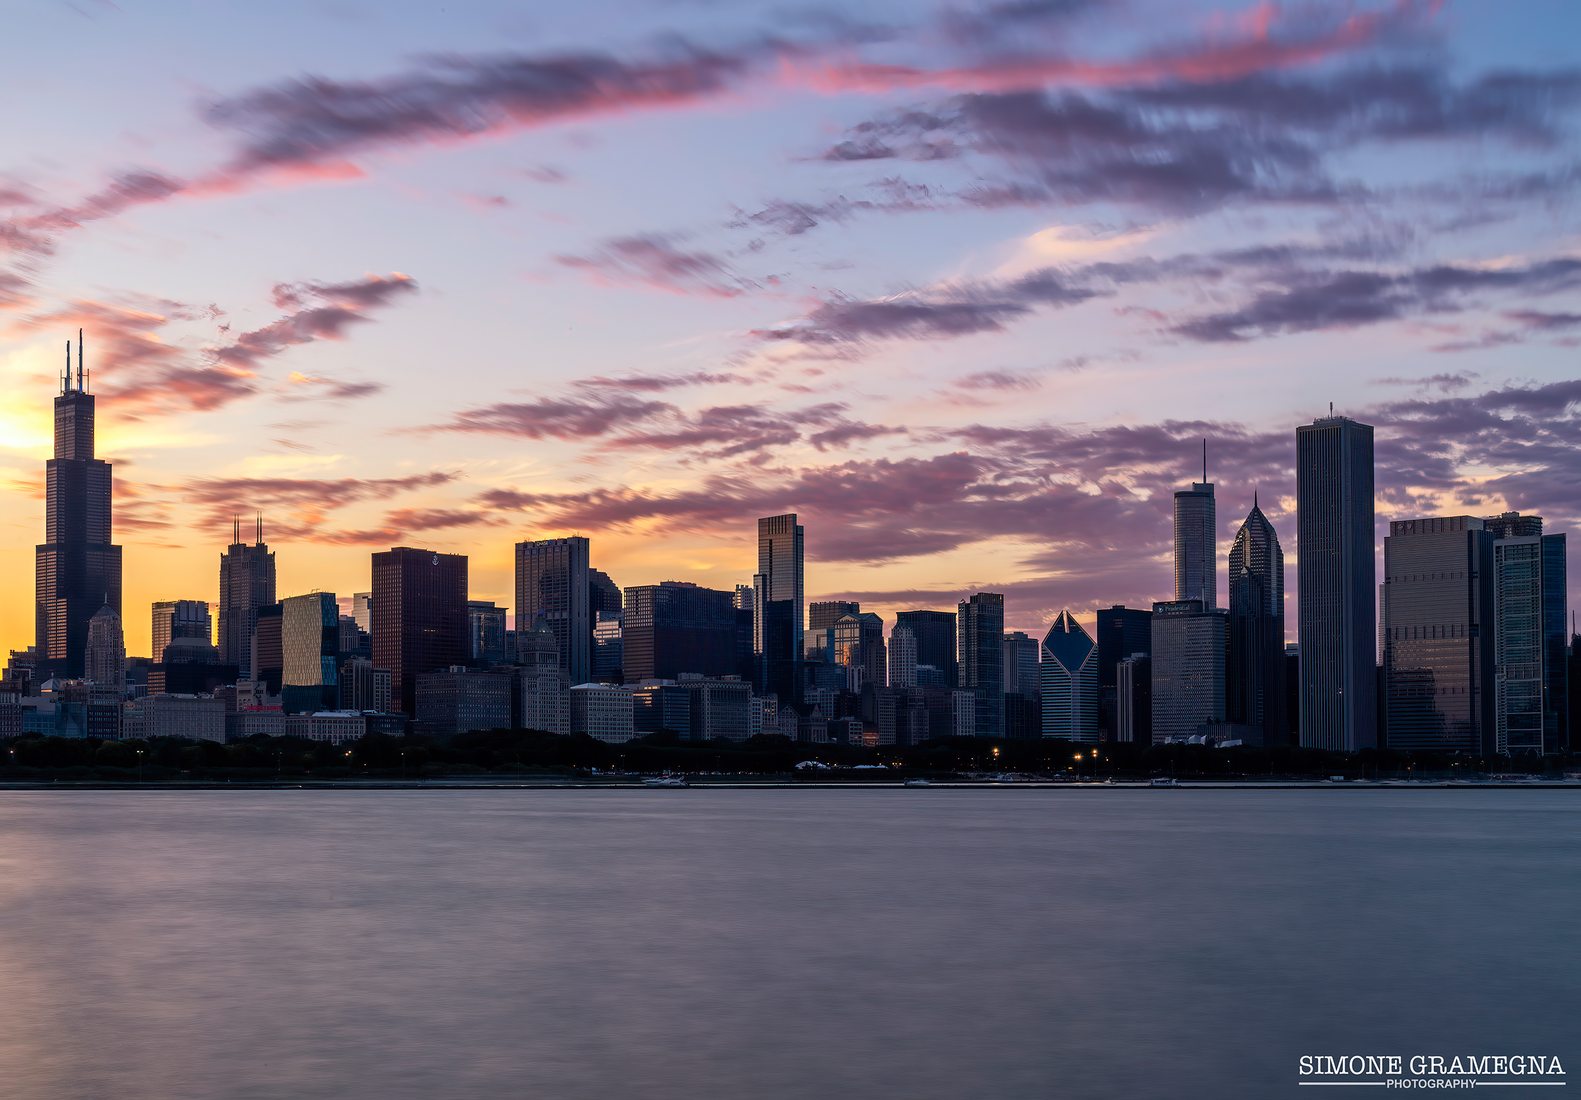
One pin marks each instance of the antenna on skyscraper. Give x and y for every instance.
(65, 385)
(1204, 462)
(236, 529)
(260, 530)
(79, 361)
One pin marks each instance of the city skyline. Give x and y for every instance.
(854, 322)
(554, 577)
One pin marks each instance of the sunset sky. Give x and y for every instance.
(965, 286)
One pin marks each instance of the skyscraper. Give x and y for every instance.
(606, 607)
(105, 659)
(1122, 632)
(77, 568)
(1255, 688)
(779, 605)
(1530, 680)
(1437, 627)
(1021, 665)
(980, 626)
(1574, 685)
(603, 595)
(363, 687)
(675, 627)
(268, 648)
(1337, 582)
(1133, 712)
(1196, 541)
(179, 619)
(1069, 674)
(309, 652)
(1189, 651)
(858, 641)
(419, 617)
(609, 648)
(246, 586)
(486, 633)
(935, 633)
(543, 685)
(902, 657)
(552, 581)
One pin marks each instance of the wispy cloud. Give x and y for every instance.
(660, 262)
(319, 311)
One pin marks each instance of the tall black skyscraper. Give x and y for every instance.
(1255, 692)
(981, 628)
(934, 632)
(675, 627)
(1122, 632)
(779, 606)
(78, 568)
(246, 587)
(419, 617)
(1338, 585)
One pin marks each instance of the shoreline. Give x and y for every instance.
(542, 784)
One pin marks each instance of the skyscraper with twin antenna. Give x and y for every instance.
(247, 585)
(78, 569)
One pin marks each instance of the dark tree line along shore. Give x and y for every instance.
(504, 753)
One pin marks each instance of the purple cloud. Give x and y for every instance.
(1351, 299)
(658, 262)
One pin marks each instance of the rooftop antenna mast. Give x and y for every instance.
(65, 384)
(79, 361)
(260, 529)
(1204, 462)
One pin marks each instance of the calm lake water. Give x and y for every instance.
(795, 943)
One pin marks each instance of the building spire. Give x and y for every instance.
(1204, 462)
(65, 385)
(260, 529)
(236, 530)
(79, 361)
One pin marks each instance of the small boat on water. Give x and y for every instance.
(917, 783)
(1164, 783)
(666, 781)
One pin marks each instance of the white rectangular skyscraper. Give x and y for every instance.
(1196, 542)
(1190, 647)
